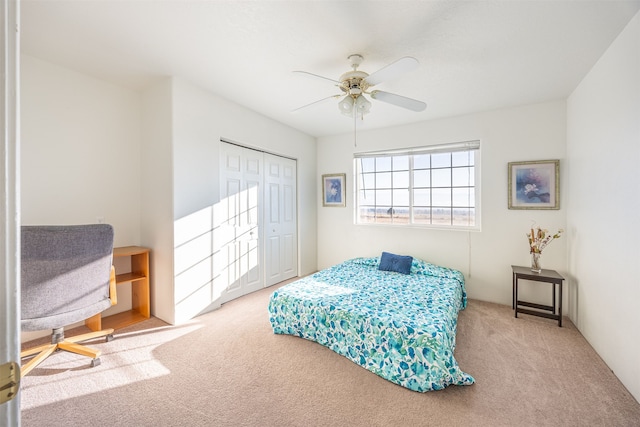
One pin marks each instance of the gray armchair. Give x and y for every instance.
(66, 278)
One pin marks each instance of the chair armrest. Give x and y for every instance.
(113, 295)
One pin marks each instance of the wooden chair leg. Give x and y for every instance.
(35, 350)
(46, 352)
(79, 349)
(89, 336)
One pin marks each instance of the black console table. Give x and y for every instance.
(546, 276)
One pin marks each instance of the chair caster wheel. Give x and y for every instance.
(95, 362)
(109, 337)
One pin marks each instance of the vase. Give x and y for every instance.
(535, 262)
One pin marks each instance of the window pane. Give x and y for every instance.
(401, 163)
(384, 214)
(422, 197)
(422, 178)
(461, 197)
(461, 177)
(366, 214)
(461, 158)
(383, 180)
(441, 216)
(383, 198)
(368, 181)
(367, 164)
(401, 179)
(383, 164)
(462, 216)
(366, 197)
(422, 215)
(441, 177)
(401, 197)
(422, 161)
(441, 197)
(401, 215)
(441, 160)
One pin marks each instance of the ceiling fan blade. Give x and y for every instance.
(317, 102)
(400, 101)
(315, 75)
(393, 70)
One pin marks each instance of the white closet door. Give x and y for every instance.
(241, 194)
(281, 242)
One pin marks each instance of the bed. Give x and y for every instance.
(401, 327)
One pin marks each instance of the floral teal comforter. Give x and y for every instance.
(400, 327)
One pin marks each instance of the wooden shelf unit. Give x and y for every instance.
(140, 300)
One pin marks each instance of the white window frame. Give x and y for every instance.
(471, 146)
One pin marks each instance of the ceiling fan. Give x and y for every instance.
(355, 84)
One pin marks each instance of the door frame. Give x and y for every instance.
(9, 215)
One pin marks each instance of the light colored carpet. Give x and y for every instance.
(227, 368)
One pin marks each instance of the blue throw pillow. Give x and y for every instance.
(397, 263)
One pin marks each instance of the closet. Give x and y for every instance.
(259, 231)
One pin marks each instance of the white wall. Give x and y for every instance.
(603, 149)
(534, 132)
(200, 119)
(157, 195)
(80, 154)
(80, 150)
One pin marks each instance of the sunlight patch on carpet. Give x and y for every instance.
(128, 359)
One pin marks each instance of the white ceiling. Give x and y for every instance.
(474, 55)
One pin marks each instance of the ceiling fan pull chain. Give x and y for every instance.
(355, 126)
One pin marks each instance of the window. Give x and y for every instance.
(430, 186)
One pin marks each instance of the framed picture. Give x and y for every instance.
(534, 185)
(333, 189)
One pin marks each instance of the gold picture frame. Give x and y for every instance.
(534, 184)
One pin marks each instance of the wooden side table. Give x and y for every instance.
(545, 276)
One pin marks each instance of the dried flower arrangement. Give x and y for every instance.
(539, 238)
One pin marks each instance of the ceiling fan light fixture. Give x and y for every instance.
(362, 105)
(346, 105)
